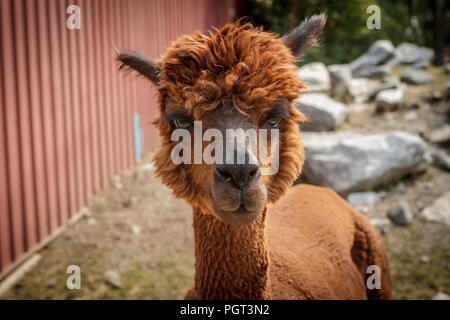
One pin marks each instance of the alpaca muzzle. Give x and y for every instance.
(238, 193)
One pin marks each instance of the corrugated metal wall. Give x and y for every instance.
(68, 120)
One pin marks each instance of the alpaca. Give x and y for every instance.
(256, 237)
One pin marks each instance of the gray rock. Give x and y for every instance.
(117, 182)
(429, 186)
(423, 64)
(361, 88)
(438, 136)
(129, 202)
(379, 52)
(383, 194)
(380, 222)
(400, 188)
(428, 158)
(374, 72)
(364, 209)
(441, 160)
(393, 62)
(441, 296)
(416, 76)
(389, 99)
(408, 53)
(400, 213)
(435, 97)
(348, 162)
(112, 277)
(439, 210)
(340, 76)
(391, 83)
(420, 129)
(316, 76)
(357, 198)
(410, 116)
(323, 112)
(135, 229)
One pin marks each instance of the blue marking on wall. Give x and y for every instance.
(138, 138)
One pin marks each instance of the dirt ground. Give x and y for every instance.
(137, 231)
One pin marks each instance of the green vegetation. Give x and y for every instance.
(346, 35)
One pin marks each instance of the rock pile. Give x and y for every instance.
(361, 165)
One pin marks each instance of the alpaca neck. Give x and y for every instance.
(231, 261)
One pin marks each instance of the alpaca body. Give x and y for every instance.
(309, 245)
(325, 249)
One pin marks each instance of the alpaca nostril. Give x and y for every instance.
(225, 175)
(253, 172)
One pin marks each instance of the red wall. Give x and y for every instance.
(66, 116)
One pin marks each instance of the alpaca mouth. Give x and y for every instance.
(240, 217)
(237, 207)
(240, 210)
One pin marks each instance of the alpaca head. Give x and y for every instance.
(237, 81)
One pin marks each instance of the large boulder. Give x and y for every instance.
(348, 162)
(439, 210)
(340, 75)
(400, 213)
(374, 72)
(324, 113)
(441, 160)
(389, 99)
(379, 52)
(423, 64)
(408, 53)
(316, 76)
(416, 76)
(360, 89)
(439, 135)
(390, 83)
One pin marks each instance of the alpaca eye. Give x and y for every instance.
(182, 124)
(274, 121)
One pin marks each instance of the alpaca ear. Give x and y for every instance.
(146, 66)
(305, 35)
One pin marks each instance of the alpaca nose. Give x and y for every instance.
(239, 174)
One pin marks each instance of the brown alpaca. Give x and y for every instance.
(248, 245)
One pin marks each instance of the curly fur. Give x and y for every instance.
(309, 245)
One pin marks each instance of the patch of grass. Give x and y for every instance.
(412, 278)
